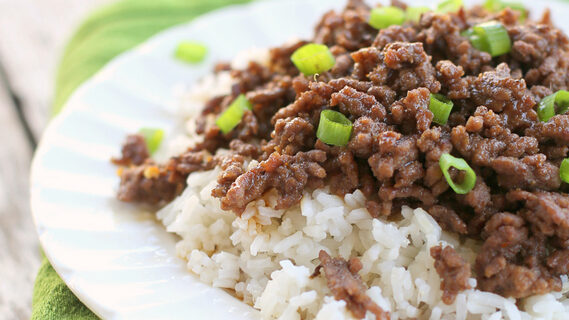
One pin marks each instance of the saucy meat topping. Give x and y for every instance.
(453, 270)
(134, 151)
(346, 284)
(382, 82)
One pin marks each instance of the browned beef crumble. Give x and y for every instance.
(452, 269)
(346, 284)
(134, 151)
(519, 207)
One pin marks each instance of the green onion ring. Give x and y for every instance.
(446, 161)
(191, 51)
(313, 58)
(448, 6)
(231, 117)
(383, 17)
(441, 107)
(564, 170)
(153, 138)
(334, 128)
(552, 105)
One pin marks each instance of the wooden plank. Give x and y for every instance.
(19, 253)
(32, 36)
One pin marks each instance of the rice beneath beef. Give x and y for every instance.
(266, 256)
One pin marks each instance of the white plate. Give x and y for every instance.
(119, 262)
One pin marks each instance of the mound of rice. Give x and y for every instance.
(266, 256)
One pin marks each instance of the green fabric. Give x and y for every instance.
(107, 33)
(53, 300)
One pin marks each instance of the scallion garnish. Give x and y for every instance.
(414, 13)
(153, 138)
(489, 37)
(191, 51)
(334, 128)
(313, 58)
(446, 161)
(447, 6)
(383, 17)
(564, 170)
(552, 105)
(497, 5)
(231, 117)
(441, 107)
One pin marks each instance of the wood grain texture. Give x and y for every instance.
(19, 256)
(32, 36)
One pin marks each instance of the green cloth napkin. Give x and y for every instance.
(107, 33)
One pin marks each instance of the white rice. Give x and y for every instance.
(267, 256)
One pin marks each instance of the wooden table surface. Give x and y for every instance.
(32, 35)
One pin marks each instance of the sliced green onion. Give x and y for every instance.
(497, 5)
(334, 128)
(153, 138)
(479, 43)
(441, 107)
(495, 36)
(493, 5)
(231, 117)
(383, 17)
(191, 51)
(414, 13)
(475, 40)
(489, 37)
(552, 105)
(447, 6)
(446, 161)
(313, 58)
(564, 170)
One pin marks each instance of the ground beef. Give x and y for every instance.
(452, 81)
(348, 29)
(530, 172)
(510, 260)
(395, 152)
(232, 167)
(402, 66)
(448, 219)
(365, 134)
(292, 135)
(341, 168)
(505, 95)
(440, 34)
(149, 184)
(555, 130)
(244, 149)
(412, 113)
(394, 34)
(289, 175)
(157, 184)
(547, 212)
(134, 151)
(487, 137)
(453, 270)
(382, 82)
(543, 50)
(346, 284)
(358, 104)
